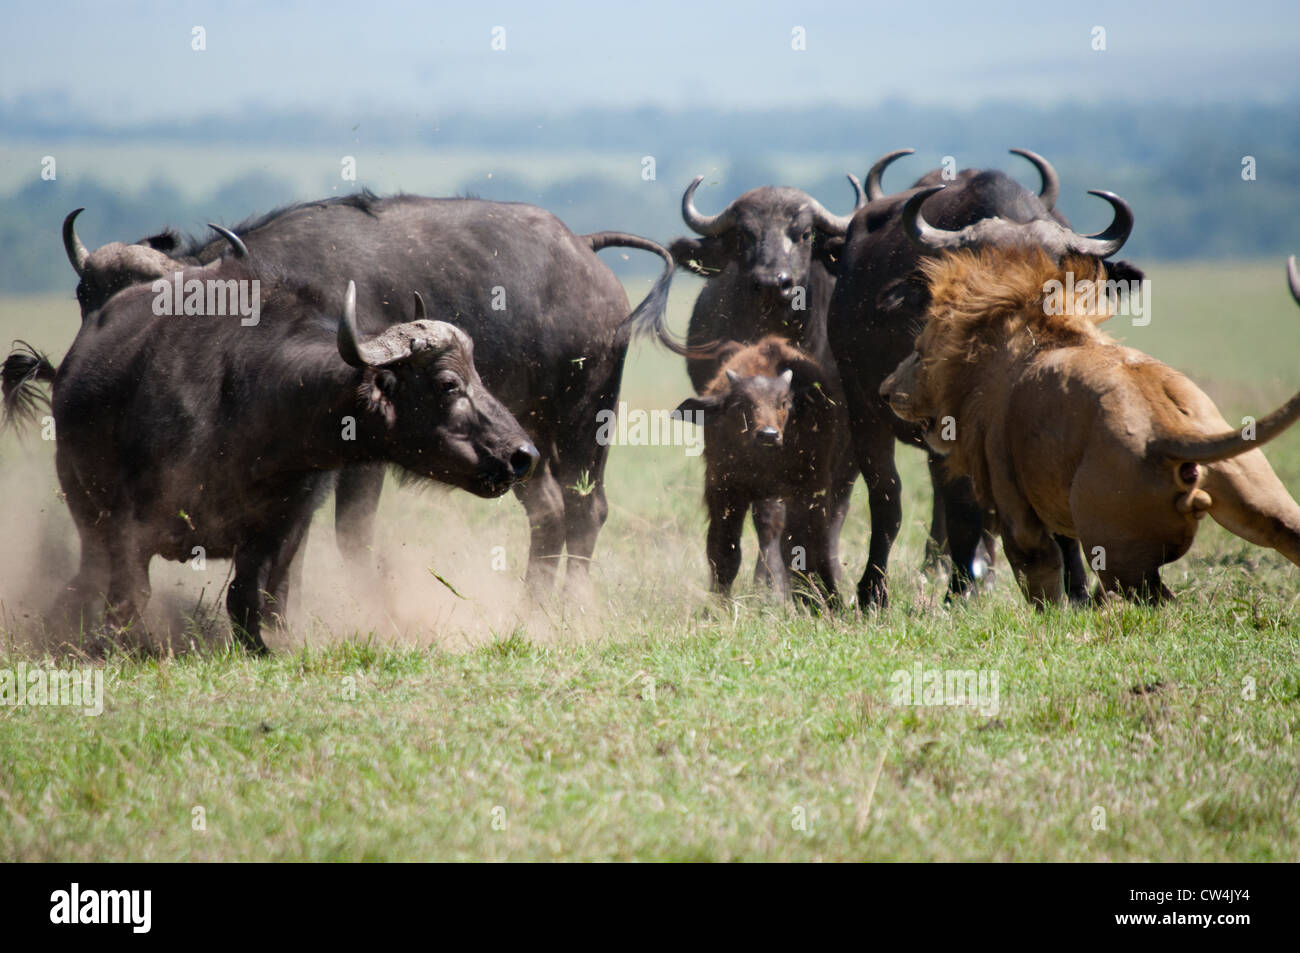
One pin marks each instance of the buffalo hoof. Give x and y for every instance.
(250, 642)
(933, 563)
(873, 594)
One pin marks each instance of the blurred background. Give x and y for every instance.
(153, 115)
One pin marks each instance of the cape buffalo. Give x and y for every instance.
(179, 431)
(878, 308)
(769, 259)
(546, 315)
(770, 424)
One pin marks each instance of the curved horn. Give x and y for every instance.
(705, 224)
(1293, 278)
(395, 344)
(420, 313)
(77, 252)
(921, 231)
(834, 224)
(1051, 189)
(237, 246)
(349, 350)
(859, 199)
(831, 224)
(1106, 243)
(874, 190)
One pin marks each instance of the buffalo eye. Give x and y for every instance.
(449, 383)
(806, 236)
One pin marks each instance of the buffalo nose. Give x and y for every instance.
(524, 461)
(886, 389)
(768, 437)
(782, 280)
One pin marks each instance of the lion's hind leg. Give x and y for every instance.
(1036, 561)
(1136, 585)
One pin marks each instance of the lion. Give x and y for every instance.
(1065, 430)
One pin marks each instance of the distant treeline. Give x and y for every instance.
(1180, 167)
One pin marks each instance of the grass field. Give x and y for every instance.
(654, 723)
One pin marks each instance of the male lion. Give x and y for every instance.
(1064, 430)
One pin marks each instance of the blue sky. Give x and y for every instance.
(133, 61)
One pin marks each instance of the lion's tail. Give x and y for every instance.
(1208, 449)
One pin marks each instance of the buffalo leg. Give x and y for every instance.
(875, 453)
(823, 552)
(770, 567)
(964, 518)
(829, 553)
(128, 585)
(834, 509)
(726, 521)
(580, 464)
(1076, 573)
(285, 576)
(292, 599)
(841, 499)
(265, 567)
(938, 541)
(544, 503)
(356, 501)
(585, 512)
(244, 598)
(84, 596)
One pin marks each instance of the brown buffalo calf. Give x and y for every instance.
(773, 424)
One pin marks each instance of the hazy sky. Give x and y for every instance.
(134, 61)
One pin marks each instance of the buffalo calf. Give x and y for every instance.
(772, 428)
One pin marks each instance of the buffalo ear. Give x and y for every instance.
(828, 250)
(1123, 271)
(377, 385)
(804, 375)
(708, 402)
(908, 293)
(704, 256)
(164, 242)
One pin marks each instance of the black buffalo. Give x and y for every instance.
(182, 431)
(875, 315)
(770, 259)
(546, 315)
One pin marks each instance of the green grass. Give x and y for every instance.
(654, 723)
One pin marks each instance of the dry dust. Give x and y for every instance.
(478, 548)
